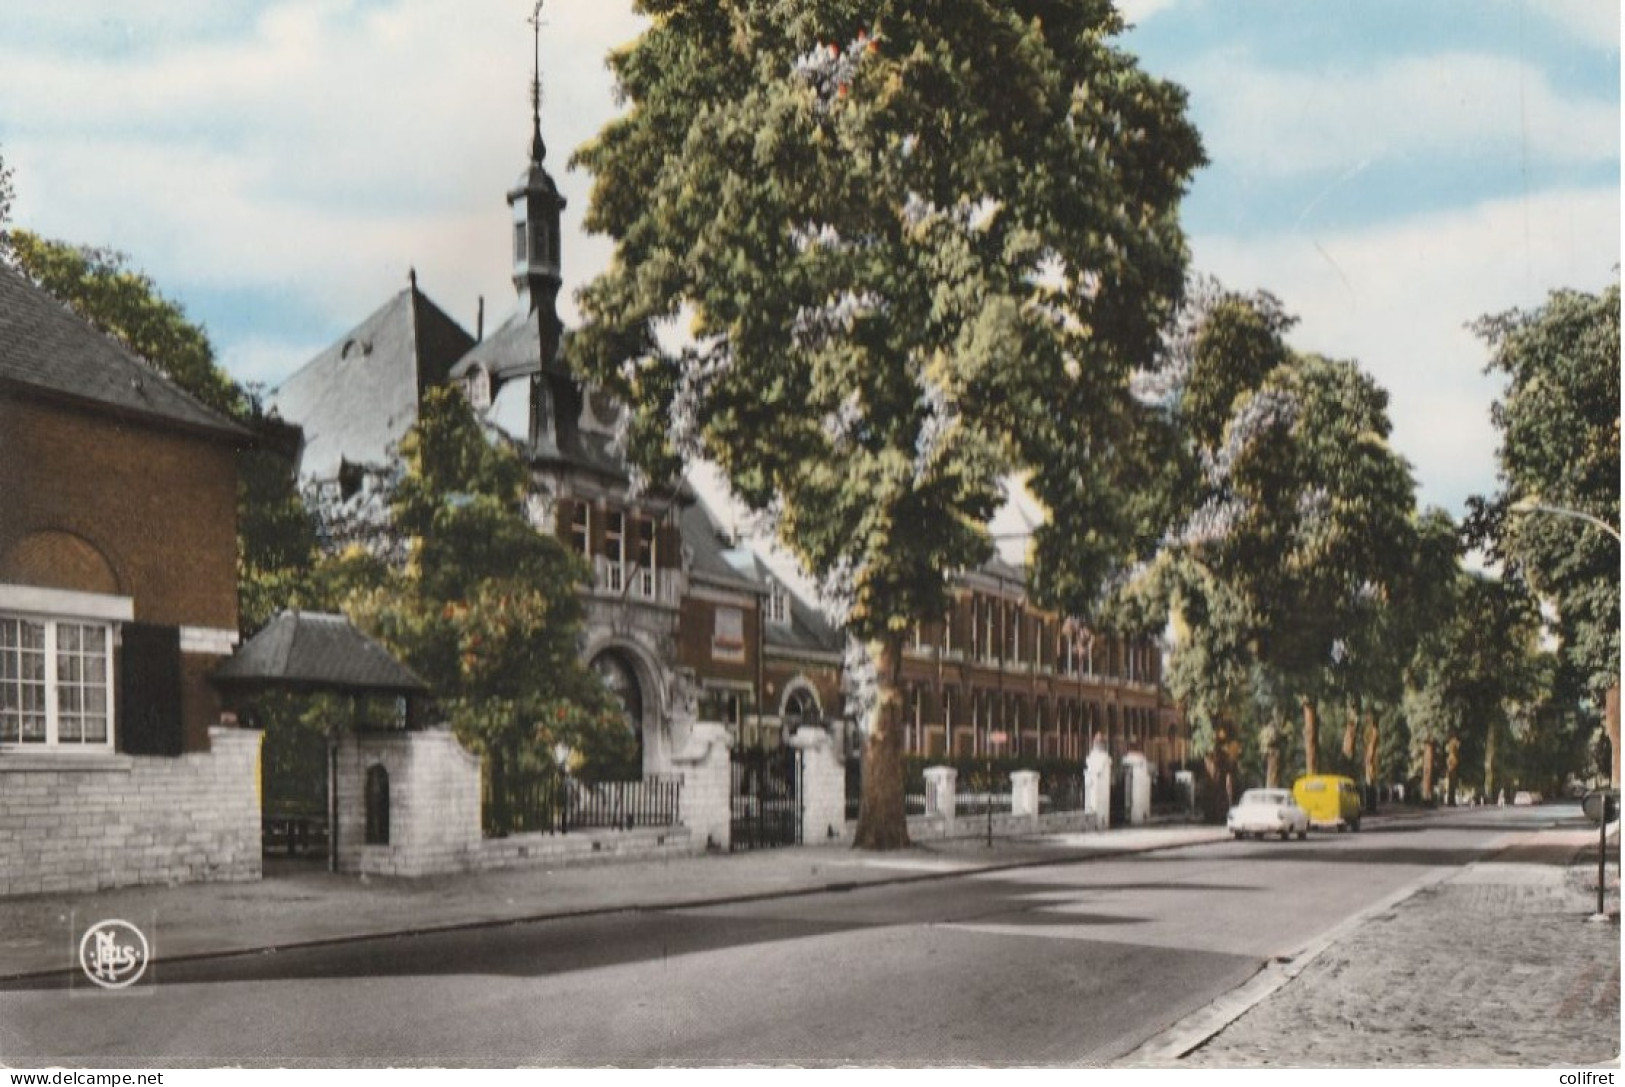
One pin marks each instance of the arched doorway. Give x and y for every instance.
(619, 677)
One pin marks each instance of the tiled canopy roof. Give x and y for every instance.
(317, 651)
(48, 350)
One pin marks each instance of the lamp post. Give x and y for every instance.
(561, 758)
(1529, 505)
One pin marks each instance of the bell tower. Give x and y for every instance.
(536, 205)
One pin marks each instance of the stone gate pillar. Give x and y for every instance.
(703, 763)
(1138, 773)
(823, 787)
(1024, 793)
(1097, 785)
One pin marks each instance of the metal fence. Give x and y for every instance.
(1060, 792)
(529, 803)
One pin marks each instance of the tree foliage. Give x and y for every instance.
(1559, 420)
(1295, 531)
(484, 608)
(920, 248)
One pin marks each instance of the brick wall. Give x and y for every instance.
(702, 760)
(149, 509)
(434, 803)
(78, 823)
(823, 788)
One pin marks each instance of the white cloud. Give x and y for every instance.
(1136, 12)
(1593, 21)
(1455, 104)
(1398, 297)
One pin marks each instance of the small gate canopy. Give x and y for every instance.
(305, 650)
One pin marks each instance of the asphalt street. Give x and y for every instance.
(1073, 963)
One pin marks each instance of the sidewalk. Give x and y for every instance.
(1500, 965)
(300, 903)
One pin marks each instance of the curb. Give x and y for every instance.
(833, 887)
(1195, 1030)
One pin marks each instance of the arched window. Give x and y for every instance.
(800, 709)
(616, 673)
(377, 796)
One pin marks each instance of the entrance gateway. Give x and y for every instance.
(766, 798)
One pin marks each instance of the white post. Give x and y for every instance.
(1097, 785)
(823, 787)
(1024, 793)
(939, 791)
(707, 802)
(1139, 799)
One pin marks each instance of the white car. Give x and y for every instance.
(1268, 811)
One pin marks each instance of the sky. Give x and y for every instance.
(1390, 169)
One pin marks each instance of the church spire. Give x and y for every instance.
(537, 206)
(538, 149)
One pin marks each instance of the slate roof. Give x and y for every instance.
(48, 350)
(317, 650)
(360, 396)
(740, 568)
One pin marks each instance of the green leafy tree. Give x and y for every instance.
(1469, 674)
(484, 608)
(1559, 421)
(919, 248)
(1296, 524)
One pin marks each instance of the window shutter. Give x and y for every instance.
(669, 550)
(149, 712)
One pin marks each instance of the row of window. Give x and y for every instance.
(1005, 632)
(1002, 723)
(55, 683)
(629, 553)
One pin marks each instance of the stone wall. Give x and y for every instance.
(434, 803)
(84, 823)
(587, 846)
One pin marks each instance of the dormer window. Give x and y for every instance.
(778, 604)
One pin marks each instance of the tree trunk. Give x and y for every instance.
(1611, 722)
(1490, 744)
(1351, 732)
(882, 820)
(1452, 767)
(1427, 772)
(1373, 738)
(1311, 737)
(1272, 759)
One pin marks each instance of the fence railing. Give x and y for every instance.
(1060, 792)
(547, 803)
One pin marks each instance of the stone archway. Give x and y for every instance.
(633, 677)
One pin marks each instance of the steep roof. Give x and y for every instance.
(317, 651)
(737, 567)
(360, 396)
(48, 350)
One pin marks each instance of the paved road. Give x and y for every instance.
(1062, 964)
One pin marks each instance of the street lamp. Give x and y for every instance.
(561, 759)
(1529, 505)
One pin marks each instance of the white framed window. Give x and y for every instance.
(615, 551)
(778, 604)
(56, 688)
(643, 583)
(581, 528)
(728, 635)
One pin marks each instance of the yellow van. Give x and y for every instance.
(1330, 800)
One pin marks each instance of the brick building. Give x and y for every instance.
(674, 615)
(118, 596)
(998, 676)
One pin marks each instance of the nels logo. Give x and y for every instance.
(113, 954)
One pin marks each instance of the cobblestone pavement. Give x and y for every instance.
(1496, 967)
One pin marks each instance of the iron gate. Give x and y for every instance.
(766, 799)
